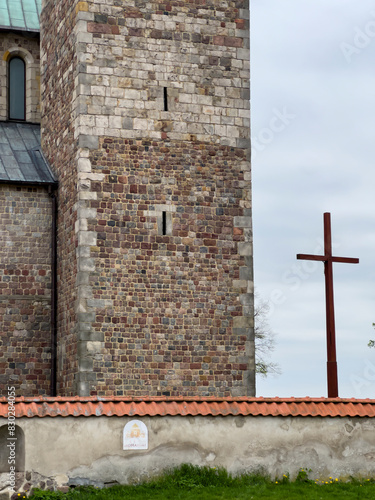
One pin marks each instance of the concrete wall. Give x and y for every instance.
(79, 450)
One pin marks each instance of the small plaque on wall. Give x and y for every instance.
(135, 436)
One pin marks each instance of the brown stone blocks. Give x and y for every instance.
(102, 28)
(227, 41)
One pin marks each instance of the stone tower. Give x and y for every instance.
(145, 124)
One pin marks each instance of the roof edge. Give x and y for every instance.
(19, 29)
(134, 399)
(30, 183)
(167, 406)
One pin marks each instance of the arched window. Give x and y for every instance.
(17, 91)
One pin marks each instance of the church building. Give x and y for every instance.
(125, 198)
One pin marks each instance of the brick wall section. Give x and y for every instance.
(58, 66)
(156, 314)
(27, 48)
(25, 290)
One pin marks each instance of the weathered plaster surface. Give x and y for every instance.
(89, 450)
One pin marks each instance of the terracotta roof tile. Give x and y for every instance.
(96, 406)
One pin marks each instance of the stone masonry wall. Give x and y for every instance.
(27, 48)
(25, 290)
(168, 305)
(131, 51)
(58, 63)
(160, 115)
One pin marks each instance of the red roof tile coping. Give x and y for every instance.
(164, 406)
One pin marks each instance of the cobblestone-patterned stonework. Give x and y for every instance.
(25, 290)
(168, 306)
(25, 483)
(146, 112)
(27, 48)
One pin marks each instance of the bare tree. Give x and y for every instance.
(371, 343)
(264, 339)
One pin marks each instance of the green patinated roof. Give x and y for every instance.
(20, 14)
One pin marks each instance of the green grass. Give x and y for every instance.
(190, 482)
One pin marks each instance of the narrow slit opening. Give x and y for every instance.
(165, 99)
(164, 223)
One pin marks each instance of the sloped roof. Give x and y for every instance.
(20, 14)
(131, 407)
(21, 158)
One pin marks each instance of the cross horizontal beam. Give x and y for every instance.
(323, 258)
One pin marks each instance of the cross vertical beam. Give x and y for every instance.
(328, 259)
(332, 381)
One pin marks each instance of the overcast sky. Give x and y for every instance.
(313, 151)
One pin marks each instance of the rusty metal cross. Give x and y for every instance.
(328, 259)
